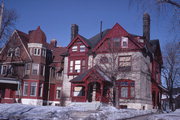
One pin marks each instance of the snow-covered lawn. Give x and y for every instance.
(29, 112)
(166, 116)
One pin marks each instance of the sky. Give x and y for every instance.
(56, 16)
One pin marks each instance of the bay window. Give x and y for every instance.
(77, 66)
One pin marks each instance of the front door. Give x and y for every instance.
(94, 92)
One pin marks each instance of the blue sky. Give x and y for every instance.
(56, 16)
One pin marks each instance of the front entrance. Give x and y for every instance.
(94, 92)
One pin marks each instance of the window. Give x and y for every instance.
(58, 92)
(77, 66)
(27, 68)
(40, 90)
(116, 42)
(33, 89)
(103, 60)
(83, 66)
(17, 52)
(44, 52)
(4, 69)
(125, 63)
(35, 69)
(126, 88)
(25, 89)
(74, 48)
(37, 51)
(82, 48)
(10, 52)
(124, 42)
(71, 66)
(79, 91)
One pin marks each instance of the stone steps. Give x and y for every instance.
(87, 105)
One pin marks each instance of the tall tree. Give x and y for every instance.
(7, 22)
(171, 69)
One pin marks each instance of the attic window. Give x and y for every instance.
(10, 52)
(74, 48)
(17, 51)
(82, 48)
(124, 42)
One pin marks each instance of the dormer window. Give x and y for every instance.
(74, 48)
(124, 42)
(82, 48)
(17, 52)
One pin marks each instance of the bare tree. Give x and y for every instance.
(171, 69)
(9, 18)
(109, 64)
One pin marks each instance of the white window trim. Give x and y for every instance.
(75, 48)
(36, 54)
(35, 88)
(84, 48)
(124, 39)
(37, 68)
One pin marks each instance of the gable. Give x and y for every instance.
(14, 43)
(117, 32)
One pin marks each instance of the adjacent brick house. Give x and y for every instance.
(46, 74)
(27, 64)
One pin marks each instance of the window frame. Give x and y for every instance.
(25, 85)
(33, 89)
(82, 48)
(124, 40)
(58, 92)
(122, 64)
(74, 48)
(17, 52)
(33, 65)
(130, 86)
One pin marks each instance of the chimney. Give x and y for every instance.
(53, 43)
(146, 26)
(74, 31)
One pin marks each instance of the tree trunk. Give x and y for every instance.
(115, 95)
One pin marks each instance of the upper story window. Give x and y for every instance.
(124, 63)
(10, 52)
(17, 52)
(124, 42)
(77, 66)
(27, 68)
(126, 88)
(4, 69)
(37, 51)
(35, 69)
(44, 52)
(116, 42)
(82, 48)
(74, 48)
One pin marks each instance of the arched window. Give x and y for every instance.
(17, 51)
(126, 89)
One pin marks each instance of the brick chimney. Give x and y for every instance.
(146, 26)
(74, 31)
(53, 42)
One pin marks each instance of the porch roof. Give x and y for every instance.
(9, 80)
(80, 77)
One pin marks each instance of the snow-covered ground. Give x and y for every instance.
(166, 116)
(29, 112)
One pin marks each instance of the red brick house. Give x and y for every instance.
(27, 63)
(136, 61)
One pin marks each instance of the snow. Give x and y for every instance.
(167, 116)
(29, 112)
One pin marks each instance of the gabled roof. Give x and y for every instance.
(89, 72)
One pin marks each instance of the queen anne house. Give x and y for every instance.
(86, 71)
